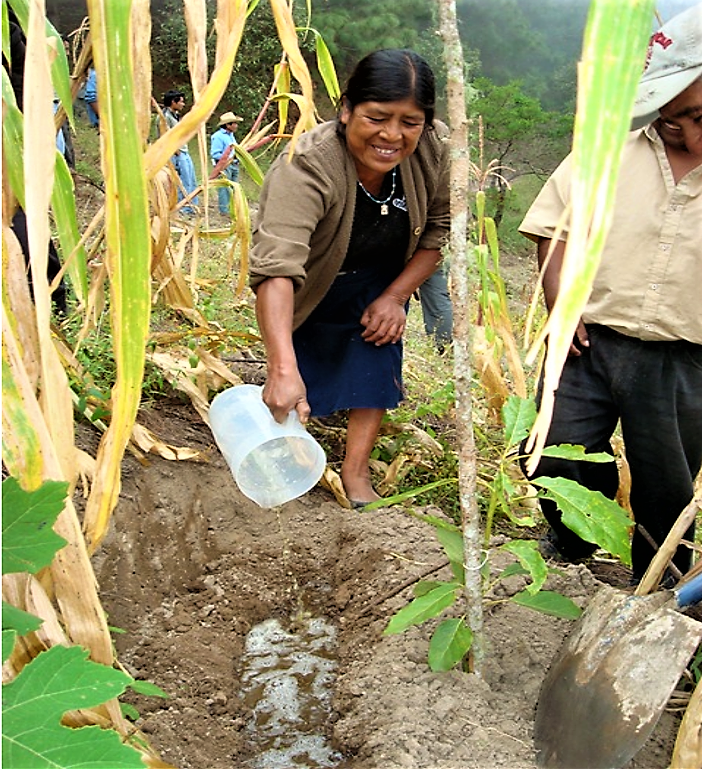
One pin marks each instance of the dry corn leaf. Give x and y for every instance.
(418, 435)
(331, 480)
(147, 441)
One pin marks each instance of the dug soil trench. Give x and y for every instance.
(191, 565)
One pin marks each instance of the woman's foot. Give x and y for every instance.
(359, 490)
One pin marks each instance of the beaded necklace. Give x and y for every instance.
(382, 203)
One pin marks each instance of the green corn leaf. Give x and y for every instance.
(423, 608)
(60, 76)
(518, 415)
(58, 680)
(548, 602)
(591, 515)
(128, 242)
(325, 64)
(28, 541)
(249, 164)
(12, 138)
(576, 453)
(449, 644)
(63, 203)
(527, 551)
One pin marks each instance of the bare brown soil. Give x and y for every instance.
(191, 565)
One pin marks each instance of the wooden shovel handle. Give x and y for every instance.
(666, 551)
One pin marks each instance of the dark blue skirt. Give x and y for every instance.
(340, 369)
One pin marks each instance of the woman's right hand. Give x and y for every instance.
(283, 393)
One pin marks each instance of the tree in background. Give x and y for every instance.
(535, 41)
(519, 135)
(259, 52)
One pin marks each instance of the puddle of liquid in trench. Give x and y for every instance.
(287, 681)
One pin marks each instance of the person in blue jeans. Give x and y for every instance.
(437, 310)
(222, 148)
(90, 98)
(173, 103)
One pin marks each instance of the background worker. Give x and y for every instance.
(637, 353)
(173, 104)
(224, 158)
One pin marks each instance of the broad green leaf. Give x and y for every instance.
(548, 602)
(527, 551)
(591, 515)
(577, 453)
(8, 644)
(518, 415)
(452, 542)
(129, 711)
(512, 569)
(56, 681)
(28, 541)
(22, 622)
(449, 645)
(423, 608)
(15, 622)
(426, 586)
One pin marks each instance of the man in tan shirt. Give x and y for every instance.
(637, 353)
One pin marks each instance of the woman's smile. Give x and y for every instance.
(380, 135)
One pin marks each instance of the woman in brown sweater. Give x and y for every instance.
(347, 230)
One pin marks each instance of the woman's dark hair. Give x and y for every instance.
(392, 74)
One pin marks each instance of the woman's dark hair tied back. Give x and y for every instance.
(393, 74)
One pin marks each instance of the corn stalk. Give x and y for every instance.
(37, 416)
(608, 72)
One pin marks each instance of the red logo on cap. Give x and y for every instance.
(656, 38)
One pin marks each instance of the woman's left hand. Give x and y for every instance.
(384, 321)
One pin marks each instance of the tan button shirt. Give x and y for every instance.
(649, 283)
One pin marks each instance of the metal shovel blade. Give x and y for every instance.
(611, 679)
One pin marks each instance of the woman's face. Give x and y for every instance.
(380, 135)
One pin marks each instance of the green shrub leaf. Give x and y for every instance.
(148, 689)
(423, 608)
(576, 453)
(55, 681)
(548, 602)
(452, 542)
(15, 622)
(518, 415)
(28, 541)
(531, 559)
(591, 515)
(449, 645)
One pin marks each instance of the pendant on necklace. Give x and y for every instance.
(384, 209)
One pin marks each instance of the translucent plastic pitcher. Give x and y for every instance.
(271, 463)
